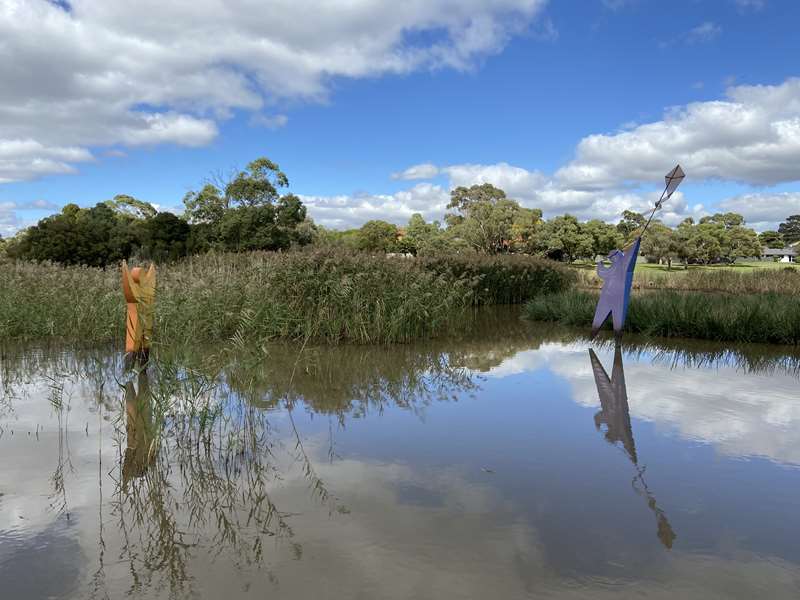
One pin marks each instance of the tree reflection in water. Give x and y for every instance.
(199, 459)
(614, 416)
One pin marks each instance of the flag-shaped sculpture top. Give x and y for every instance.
(618, 277)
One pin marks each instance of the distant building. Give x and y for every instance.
(786, 255)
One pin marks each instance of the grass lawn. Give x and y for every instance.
(738, 267)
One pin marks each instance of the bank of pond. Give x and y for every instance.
(335, 296)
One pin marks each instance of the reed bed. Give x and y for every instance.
(322, 295)
(766, 318)
(715, 279)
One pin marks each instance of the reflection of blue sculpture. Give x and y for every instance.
(616, 292)
(615, 417)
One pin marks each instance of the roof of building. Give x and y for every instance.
(780, 251)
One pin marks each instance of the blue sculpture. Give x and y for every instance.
(618, 278)
(616, 293)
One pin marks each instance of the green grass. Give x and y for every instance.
(329, 296)
(767, 318)
(745, 278)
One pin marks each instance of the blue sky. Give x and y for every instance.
(573, 106)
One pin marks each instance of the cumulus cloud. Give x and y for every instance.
(752, 137)
(764, 210)
(421, 171)
(27, 158)
(153, 72)
(531, 189)
(347, 211)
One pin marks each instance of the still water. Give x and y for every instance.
(514, 462)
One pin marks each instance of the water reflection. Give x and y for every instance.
(140, 451)
(449, 468)
(615, 417)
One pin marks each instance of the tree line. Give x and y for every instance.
(249, 211)
(483, 219)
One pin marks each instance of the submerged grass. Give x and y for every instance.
(766, 318)
(327, 296)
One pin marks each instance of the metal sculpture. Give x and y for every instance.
(618, 277)
(615, 416)
(140, 289)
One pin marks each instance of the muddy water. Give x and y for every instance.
(510, 463)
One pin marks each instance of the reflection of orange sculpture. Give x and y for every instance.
(140, 291)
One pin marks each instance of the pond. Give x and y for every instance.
(518, 461)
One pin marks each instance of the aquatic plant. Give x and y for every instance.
(768, 318)
(326, 295)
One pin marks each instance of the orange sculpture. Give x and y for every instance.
(140, 291)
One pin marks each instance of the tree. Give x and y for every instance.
(486, 217)
(631, 221)
(463, 198)
(426, 239)
(247, 228)
(206, 206)
(702, 245)
(563, 239)
(727, 220)
(740, 242)
(164, 237)
(128, 205)
(659, 244)
(605, 237)
(256, 186)
(265, 226)
(377, 236)
(790, 229)
(271, 221)
(525, 230)
(771, 239)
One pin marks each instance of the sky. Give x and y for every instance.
(376, 109)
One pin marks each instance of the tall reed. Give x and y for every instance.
(323, 295)
(768, 318)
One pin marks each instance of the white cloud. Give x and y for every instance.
(154, 72)
(752, 137)
(764, 210)
(270, 121)
(27, 158)
(347, 211)
(704, 32)
(8, 219)
(531, 189)
(420, 171)
(751, 4)
(516, 181)
(690, 400)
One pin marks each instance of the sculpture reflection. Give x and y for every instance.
(615, 416)
(139, 450)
